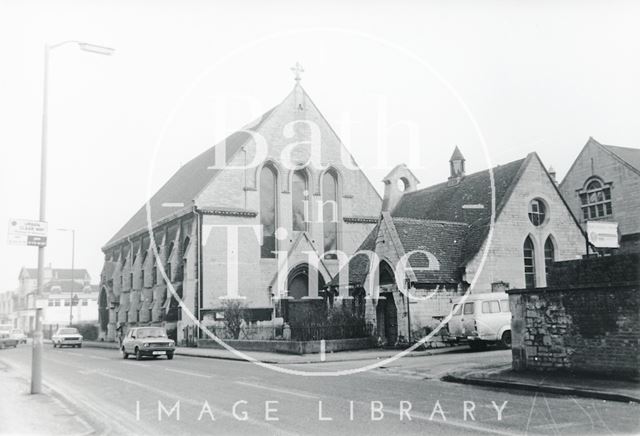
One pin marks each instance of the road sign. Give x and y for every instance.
(603, 234)
(27, 232)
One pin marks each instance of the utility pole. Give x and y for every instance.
(36, 354)
(73, 256)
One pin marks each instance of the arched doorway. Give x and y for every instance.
(298, 282)
(386, 310)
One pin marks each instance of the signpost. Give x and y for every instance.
(603, 234)
(27, 232)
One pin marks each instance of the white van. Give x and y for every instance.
(482, 319)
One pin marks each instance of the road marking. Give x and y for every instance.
(281, 391)
(136, 364)
(460, 424)
(190, 373)
(323, 357)
(97, 357)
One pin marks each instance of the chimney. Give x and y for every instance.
(456, 167)
(397, 183)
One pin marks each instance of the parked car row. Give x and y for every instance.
(11, 337)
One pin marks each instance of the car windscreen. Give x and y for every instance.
(152, 333)
(68, 331)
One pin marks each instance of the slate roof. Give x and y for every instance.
(187, 182)
(445, 219)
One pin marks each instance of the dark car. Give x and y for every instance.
(7, 341)
(147, 342)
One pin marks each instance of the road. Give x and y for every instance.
(195, 395)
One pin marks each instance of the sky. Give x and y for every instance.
(499, 79)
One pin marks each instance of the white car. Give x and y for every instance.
(482, 319)
(67, 337)
(19, 335)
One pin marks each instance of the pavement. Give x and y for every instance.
(581, 385)
(189, 395)
(282, 358)
(46, 413)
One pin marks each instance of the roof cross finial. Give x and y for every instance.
(297, 69)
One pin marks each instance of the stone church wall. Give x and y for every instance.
(505, 260)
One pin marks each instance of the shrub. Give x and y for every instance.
(233, 317)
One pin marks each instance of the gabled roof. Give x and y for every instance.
(460, 202)
(184, 186)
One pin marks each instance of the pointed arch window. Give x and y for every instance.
(528, 251)
(299, 192)
(330, 213)
(268, 211)
(549, 256)
(595, 200)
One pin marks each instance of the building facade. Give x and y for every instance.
(603, 185)
(61, 286)
(253, 218)
(434, 244)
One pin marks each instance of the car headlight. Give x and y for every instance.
(146, 344)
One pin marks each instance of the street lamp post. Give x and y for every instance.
(73, 256)
(36, 355)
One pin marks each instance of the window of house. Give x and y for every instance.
(50, 303)
(490, 306)
(85, 302)
(537, 212)
(595, 200)
(529, 263)
(468, 308)
(330, 213)
(67, 302)
(154, 275)
(56, 302)
(131, 280)
(268, 210)
(142, 276)
(549, 256)
(299, 189)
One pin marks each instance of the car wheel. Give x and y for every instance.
(79, 345)
(506, 339)
(138, 354)
(125, 355)
(169, 356)
(1, 345)
(54, 344)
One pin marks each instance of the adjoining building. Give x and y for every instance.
(304, 202)
(602, 185)
(436, 243)
(67, 296)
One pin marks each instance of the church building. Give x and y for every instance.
(433, 244)
(254, 218)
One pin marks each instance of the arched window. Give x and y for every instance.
(299, 192)
(595, 200)
(529, 263)
(268, 218)
(330, 213)
(549, 256)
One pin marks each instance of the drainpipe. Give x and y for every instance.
(199, 290)
(409, 309)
